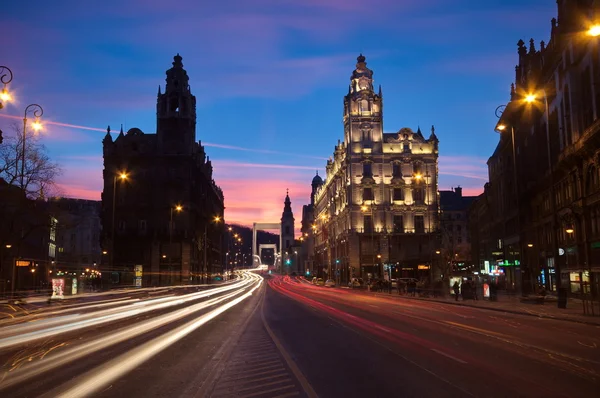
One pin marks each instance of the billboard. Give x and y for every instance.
(58, 288)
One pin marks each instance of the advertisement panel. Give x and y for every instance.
(138, 270)
(486, 290)
(58, 288)
(74, 286)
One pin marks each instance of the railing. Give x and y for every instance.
(406, 231)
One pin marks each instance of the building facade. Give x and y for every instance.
(543, 222)
(376, 211)
(78, 234)
(159, 190)
(455, 249)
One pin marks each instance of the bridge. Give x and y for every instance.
(257, 251)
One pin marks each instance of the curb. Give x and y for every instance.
(581, 321)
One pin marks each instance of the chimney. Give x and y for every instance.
(458, 191)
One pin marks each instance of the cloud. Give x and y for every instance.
(469, 167)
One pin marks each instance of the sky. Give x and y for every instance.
(269, 78)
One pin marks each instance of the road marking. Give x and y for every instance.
(448, 356)
(310, 392)
(474, 329)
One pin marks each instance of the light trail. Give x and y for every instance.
(98, 378)
(24, 333)
(34, 369)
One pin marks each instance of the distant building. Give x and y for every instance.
(455, 253)
(77, 234)
(377, 209)
(168, 212)
(308, 230)
(287, 224)
(27, 240)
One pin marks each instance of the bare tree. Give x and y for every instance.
(40, 173)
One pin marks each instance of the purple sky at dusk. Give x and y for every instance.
(269, 77)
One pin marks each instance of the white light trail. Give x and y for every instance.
(98, 378)
(24, 333)
(33, 369)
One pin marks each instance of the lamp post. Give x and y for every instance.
(37, 112)
(177, 208)
(369, 208)
(6, 77)
(216, 220)
(121, 176)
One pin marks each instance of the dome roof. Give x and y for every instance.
(317, 180)
(134, 131)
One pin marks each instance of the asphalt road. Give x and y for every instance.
(288, 338)
(154, 343)
(352, 344)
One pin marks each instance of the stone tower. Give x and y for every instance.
(363, 111)
(287, 224)
(176, 112)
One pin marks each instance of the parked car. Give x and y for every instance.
(329, 283)
(319, 282)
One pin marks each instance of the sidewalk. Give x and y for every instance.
(514, 305)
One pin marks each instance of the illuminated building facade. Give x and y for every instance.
(377, 208)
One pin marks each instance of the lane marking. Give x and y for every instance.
(310, 392)
(448, 356)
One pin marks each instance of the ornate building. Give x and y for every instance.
(378, 206)
(160, 193)
(543, 198)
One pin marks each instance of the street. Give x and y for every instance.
(350, 343)
(287, 337)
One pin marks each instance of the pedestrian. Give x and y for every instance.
(456, 289)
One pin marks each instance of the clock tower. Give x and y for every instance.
(363, 111)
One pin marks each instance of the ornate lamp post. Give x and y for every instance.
(37, 112)
(6, 77)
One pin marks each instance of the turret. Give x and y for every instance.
(176, 111)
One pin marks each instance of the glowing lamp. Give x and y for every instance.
(594, 31)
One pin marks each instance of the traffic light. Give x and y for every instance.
(337, 261)
(288, 261)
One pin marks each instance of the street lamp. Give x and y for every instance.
(365, 208)
(37, 112)
(177, 208)
(594, 31)
(120, 176)
(6, 77)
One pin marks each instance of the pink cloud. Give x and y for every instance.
(469, 167)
